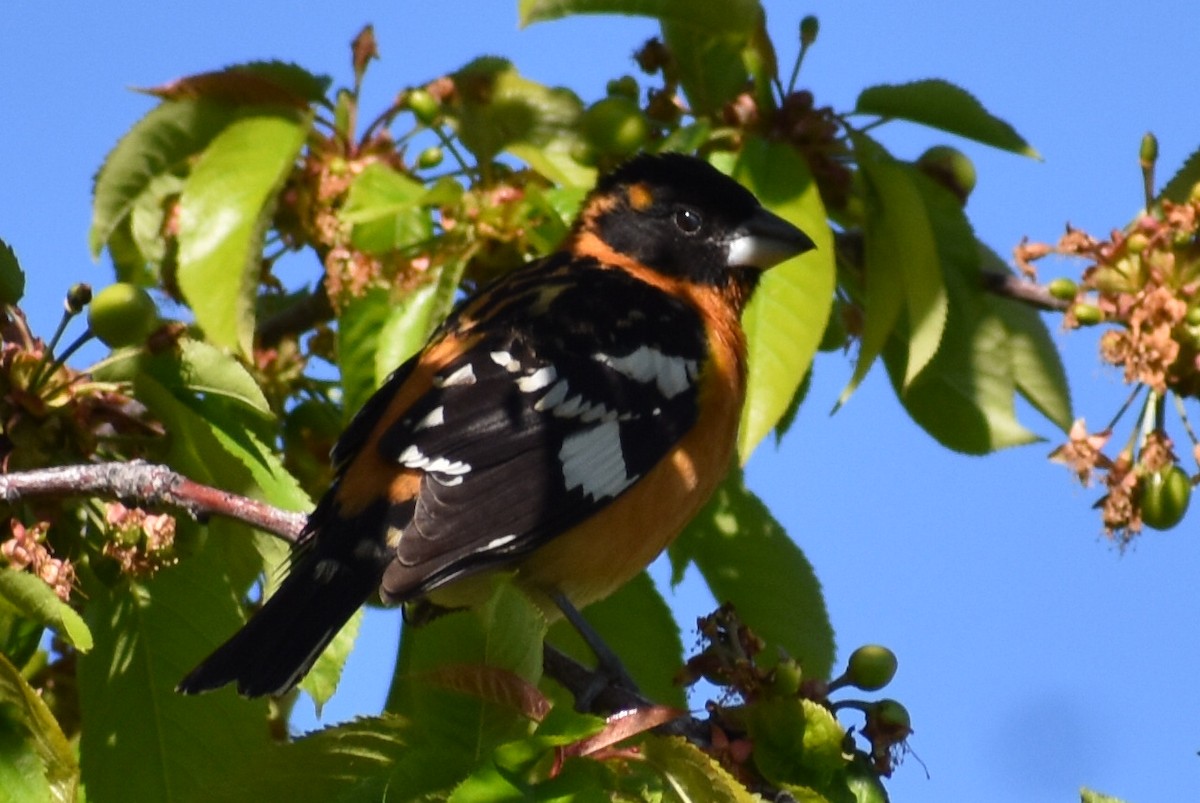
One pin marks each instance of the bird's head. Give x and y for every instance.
(680, 216)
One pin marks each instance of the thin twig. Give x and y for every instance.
(150, 484)
(1023, 290)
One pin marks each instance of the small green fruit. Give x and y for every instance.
(891, 716)
(1165, 497)
(871, 667)
(423, 106)
(615, 125)
(624, 87)
(122, 314)
(430, 157)
(786, 677)
(78, 296)
(1193, 316)
(1087, 314)
(951, 168)
(1063, 288)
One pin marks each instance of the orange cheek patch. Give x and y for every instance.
(640, 197)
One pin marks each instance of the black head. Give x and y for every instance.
(684, 218)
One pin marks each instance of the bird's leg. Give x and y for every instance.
(609, 670)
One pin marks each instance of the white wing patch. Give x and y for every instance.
(506, 361)
(539, 379)
(447, 472)
(435, 418)
(592, 461)
(673, 375)
(462, 376)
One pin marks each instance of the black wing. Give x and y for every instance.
(572, 390)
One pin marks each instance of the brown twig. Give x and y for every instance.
(299, 317)
(1007, 285)
(151, 484)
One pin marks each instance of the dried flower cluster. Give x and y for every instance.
(27, 549)
(1144, 282)
(140, 542)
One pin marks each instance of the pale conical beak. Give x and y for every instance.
(765, 240)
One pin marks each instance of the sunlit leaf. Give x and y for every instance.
(158, 144)
(942, 105)
(694, 774)
(206, 369)
(748, 559)
(346, 763)
(1179, 188)
(12, 278)
(35, 756)
(965, 396)
(495, 108)
(797, 741)
(322, 680)
(30, 597)
(143, 741)
(223, 212)
(788, 313)
(256, 83)
(903, 269)
(739, 15)
(384, 208)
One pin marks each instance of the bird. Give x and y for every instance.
(563, 424)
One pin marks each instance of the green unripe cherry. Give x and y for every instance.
(122, 314)
(430, 157)
(871, 667)
(1165, 497)
(423, 106)
(951, 168)
(615, 125)
(1062, 288)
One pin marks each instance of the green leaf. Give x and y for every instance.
(347, 763)
(638, 625)
(496, 108)
(359, 336)
(36, 760)
(504, 634)
(1089, 796)
(158, 144)
(143, 741)
(797, 742)
(30, 597)
(322, 680)
(1036, 363)
(748, 559)
(223, 213)
(787, 315)
(258, 83)
(205, 369)
(692, 773)
(12, 278)
(21, 777)
(738, 15)
(1179, 188)
(384, 209)
(405, 330)
(710, 65)
(942, 105)
(903, 264)
(965, 396)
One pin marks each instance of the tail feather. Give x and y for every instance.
(280, 643)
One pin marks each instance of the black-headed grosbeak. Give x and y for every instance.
(564, 424)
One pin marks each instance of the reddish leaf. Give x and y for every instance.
(492, 684)
(623, 725)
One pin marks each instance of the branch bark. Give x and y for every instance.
(1007, 285)
(150, 484)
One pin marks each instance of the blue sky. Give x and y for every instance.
(1034, 657)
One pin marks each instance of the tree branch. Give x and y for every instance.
(1007, 285)
(150, 484)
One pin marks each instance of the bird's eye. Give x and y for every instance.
(688, 220)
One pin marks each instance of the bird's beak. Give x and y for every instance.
(765, 240)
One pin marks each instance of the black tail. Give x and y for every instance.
(279, 644)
